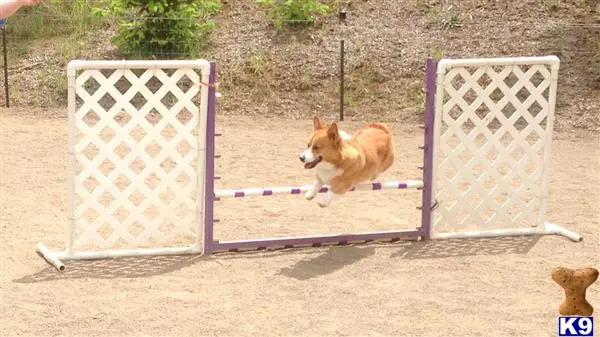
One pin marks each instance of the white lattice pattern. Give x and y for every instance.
(137, 140)
(493, 133)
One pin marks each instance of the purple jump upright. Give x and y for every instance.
(430, 88)
(209, 185)
(211, 195)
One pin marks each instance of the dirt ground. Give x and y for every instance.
(486, 287)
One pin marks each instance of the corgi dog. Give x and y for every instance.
(343, 161)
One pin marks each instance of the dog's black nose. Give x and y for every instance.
(302, 157)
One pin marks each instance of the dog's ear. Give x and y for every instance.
(316, 122)
(332, 132)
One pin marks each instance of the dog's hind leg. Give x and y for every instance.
(387, 162)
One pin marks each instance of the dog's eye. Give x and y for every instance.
(316, 147)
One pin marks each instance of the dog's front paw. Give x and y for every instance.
(310, 195)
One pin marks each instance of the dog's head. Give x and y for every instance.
(323, 146)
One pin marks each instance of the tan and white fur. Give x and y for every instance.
(343, 161)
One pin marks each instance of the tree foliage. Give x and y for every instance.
(162, 28)
(285, 13)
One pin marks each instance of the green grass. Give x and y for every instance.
(251, 71)
(451, 22)
(55, 18)
(60, 28)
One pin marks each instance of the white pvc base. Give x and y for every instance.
(548, 229)
(56, 258)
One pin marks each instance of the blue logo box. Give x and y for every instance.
(570, 326)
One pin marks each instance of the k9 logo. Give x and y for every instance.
(575, 326)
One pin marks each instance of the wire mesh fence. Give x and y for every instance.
(295, 71)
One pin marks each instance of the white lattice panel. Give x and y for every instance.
(492, 142)
(137, 138)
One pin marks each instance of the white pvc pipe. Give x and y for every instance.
(107, 254)
(50, 257)
(139, 64)
(559, 230)
(549, 229)
(446, 64)
(54, 258)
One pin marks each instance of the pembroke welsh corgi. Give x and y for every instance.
(343, 161)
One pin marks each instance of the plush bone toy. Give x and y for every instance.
(575, 282)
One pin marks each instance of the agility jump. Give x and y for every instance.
(267, 191)
(486, 154)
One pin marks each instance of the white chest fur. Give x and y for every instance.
(326, 171)
(344, 135)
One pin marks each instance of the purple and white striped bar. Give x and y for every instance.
(373, 186)
(315, 241)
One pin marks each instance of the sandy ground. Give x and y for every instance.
(499, 287)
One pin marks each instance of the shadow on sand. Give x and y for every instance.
(337, 257)
(435, 249)
(129, 267)
(330, 259)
